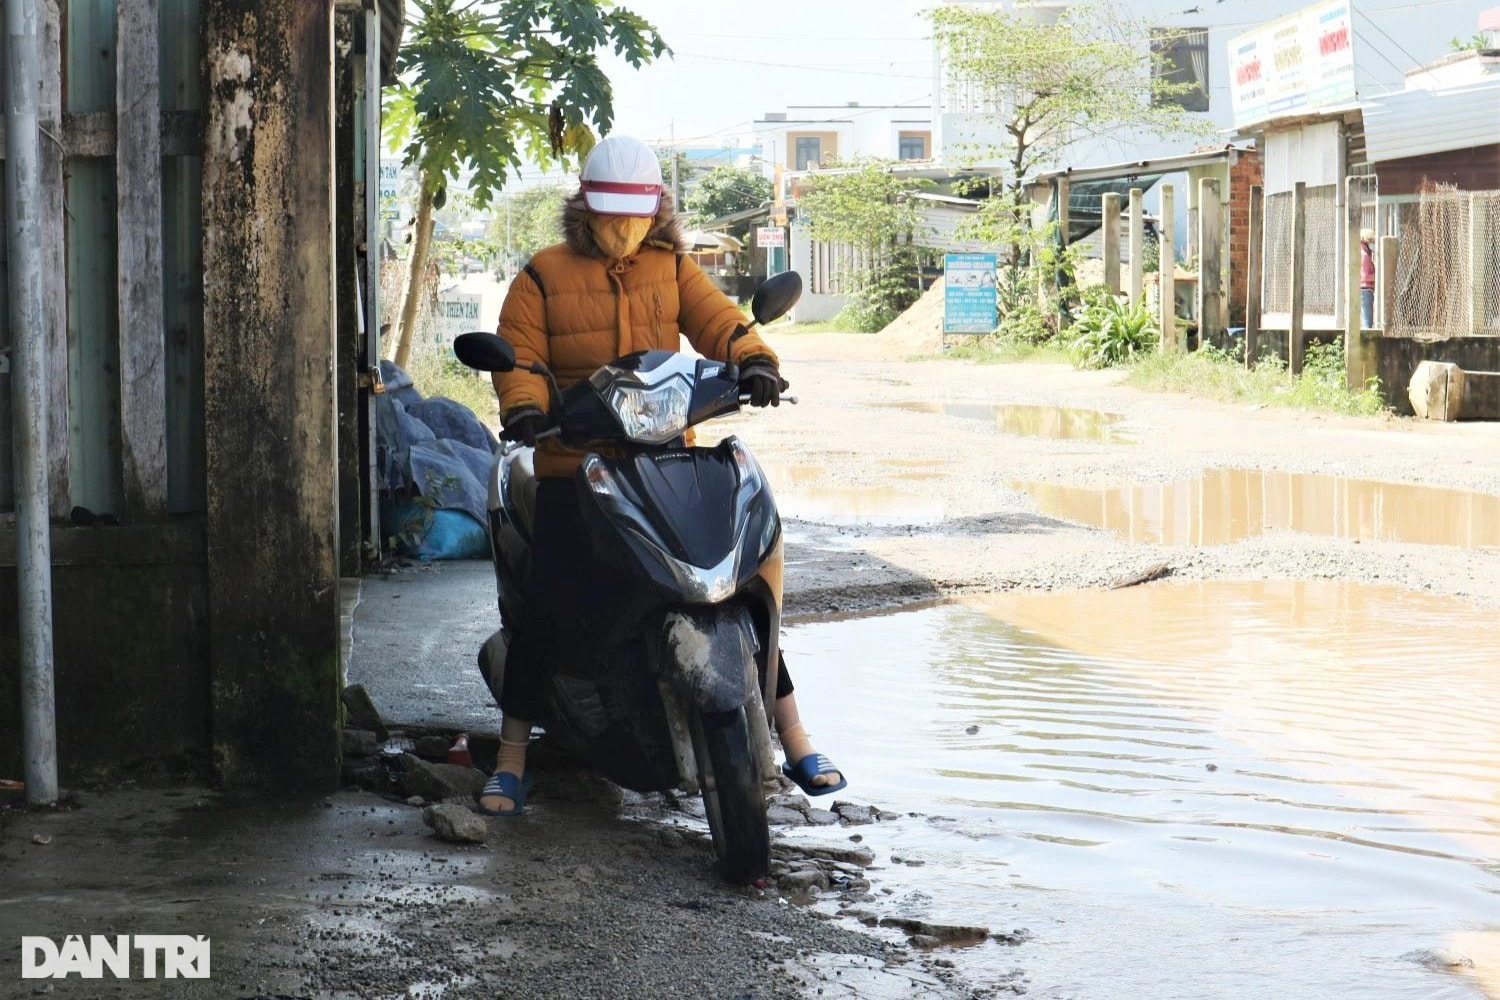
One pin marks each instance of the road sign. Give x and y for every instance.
(969, 303)
(457, 312)
(767, 237)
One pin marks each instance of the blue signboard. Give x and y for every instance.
(969, 293)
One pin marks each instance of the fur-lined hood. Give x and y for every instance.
(666, 231)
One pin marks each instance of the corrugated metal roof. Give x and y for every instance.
(1422, 122)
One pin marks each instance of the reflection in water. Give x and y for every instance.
(1056, 423)
(1226, 505)
(804, 493)
(1234, 791)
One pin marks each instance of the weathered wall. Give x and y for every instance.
(268, 220)
(349, 233)
(130, 644)
(1399, 357)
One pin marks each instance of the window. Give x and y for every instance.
(912, 147)
(809, 151)
(1179, 60)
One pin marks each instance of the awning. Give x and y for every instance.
(702, 239)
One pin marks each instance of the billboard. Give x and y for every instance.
(969, 299)
(1298, 63)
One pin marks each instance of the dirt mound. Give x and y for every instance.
(919, 330)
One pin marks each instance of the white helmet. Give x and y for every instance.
(622, 176)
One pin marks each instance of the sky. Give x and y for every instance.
(735, 60)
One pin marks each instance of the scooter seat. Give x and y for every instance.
(522, 491)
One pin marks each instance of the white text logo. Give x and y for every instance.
(160, 956)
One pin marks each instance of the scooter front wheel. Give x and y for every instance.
(732, 795)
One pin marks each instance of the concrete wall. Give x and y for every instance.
(1398, 359)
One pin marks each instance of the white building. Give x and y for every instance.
(805, 137)
(1192, 39)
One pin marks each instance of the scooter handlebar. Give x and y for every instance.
(745, 399)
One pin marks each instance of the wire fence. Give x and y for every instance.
(1321, 260)
(1447, 267)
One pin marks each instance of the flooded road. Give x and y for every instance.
(1216, 790)
(1226, 505)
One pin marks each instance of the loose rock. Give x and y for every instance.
(361, 711)
(854, 815)
(360, 743)
(436, 782)
(455, 824)
(434, 748)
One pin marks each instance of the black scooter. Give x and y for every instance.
(677, 693)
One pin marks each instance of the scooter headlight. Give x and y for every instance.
(651, 416)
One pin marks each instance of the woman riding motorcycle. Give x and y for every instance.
(619, 283)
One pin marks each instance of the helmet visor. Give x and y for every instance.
(614, 198)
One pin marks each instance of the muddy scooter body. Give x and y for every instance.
(676, 691)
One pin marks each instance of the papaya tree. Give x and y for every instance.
(486, 86)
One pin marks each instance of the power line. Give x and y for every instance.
(1415, 62)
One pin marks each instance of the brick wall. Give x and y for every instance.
(1245, 174)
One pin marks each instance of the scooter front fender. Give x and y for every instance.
(708, 656)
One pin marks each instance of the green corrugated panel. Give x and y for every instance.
(93, 343)
(181, 41)
(7, 476)
(182, 267)
(93, 316)
(90, 56)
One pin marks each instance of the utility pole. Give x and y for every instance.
(676, 174)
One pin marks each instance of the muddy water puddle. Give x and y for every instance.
(1057, 423)
(807, 493)
(1211, 791)
(1227, 505)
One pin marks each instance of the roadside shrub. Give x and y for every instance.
(1215, 374)
(1109, 332)
(1027, 324)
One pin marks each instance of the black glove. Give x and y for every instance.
(523, 425)
(762, 380)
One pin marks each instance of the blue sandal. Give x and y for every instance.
(507, 785)
(808, 768)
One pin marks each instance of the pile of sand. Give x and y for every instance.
(919, 330)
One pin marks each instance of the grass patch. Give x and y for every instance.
(435, 373)
(821, 326)
(1216, 375)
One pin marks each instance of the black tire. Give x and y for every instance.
(732, 796)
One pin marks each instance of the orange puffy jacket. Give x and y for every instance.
(574, 311)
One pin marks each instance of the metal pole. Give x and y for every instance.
(33, 543)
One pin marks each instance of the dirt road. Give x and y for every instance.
(900, 477)
(900, 482)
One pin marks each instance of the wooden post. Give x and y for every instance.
(1478, 235)
(1166, 275)
(1137, 245)
(1385, 281)
(1110, 215)
(1359, 348)
(1254, 276)
(1210, 266)
(54, 255)
(271, 441)
(143, 346)
(1296, 344)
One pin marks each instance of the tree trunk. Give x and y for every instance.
(414, 280)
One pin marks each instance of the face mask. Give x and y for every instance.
(619, 236)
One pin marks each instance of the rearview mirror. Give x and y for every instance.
(776, 296)
(485, 352)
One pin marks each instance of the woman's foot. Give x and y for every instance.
(505, 793)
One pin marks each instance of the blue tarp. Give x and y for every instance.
(439, 451)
